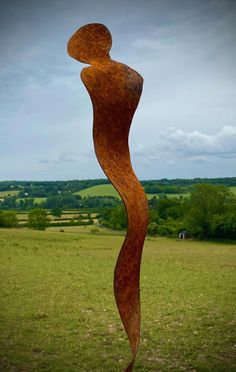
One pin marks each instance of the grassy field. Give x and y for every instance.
(57, 310)
(36, 200)
(99, 190)
(8, 193)
(109, 190)
(233, 189)
(66, 217)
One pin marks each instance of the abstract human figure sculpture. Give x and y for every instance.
(115, 90)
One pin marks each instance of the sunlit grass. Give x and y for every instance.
(57, 310)
(109, 190)
(233, 189)
(8, 193)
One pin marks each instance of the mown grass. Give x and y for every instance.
(58, 313)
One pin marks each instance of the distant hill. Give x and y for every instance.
(109, 190)
(99, 190)
(101, 187)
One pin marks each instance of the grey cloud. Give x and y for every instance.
(197, 144)
(60, 159)
(185, 51)
(200, 147)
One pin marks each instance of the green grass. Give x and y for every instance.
(233, 189)
(65, 217)
(36, 200)
(109, 190)
(99, 190)
(57, 311)
(8, 193)
(184, 195)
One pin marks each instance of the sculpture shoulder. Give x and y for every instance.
(86, 73)
(92, 76)
(112, 77)
(132, 73)
(114, 69)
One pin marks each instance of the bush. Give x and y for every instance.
(57, 212)
(210, 211)
(8, 219)
(114, 218)
(72, 223)
(153, 229)
(164, 231)
(38, 219)
(224, 226)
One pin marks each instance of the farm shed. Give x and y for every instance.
(184, 235)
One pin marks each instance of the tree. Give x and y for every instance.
(224, 226)
(169, 207)
(152, 229)
(114, 218)
(9, 202)
(57, 212)
(8, 219)
(153, 216)
(205, 203)
(153, 202)
(37, 219)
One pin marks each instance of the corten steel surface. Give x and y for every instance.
(115, 90)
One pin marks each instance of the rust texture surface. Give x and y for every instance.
(115, 90)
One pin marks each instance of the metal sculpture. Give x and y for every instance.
(115, 90)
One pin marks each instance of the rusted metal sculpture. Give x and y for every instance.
(115, 90)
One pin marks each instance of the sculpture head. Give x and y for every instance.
(90, 44)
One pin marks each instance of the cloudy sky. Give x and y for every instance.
(185, 125)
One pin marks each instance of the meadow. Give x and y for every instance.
(99, 190)
(58, 313)
(8, 193)
(109, 190)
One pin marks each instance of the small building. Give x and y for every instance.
(184, 235)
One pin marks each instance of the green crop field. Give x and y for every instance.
(57, 311)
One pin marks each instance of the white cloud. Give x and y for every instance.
(200, 147)
(197, 144)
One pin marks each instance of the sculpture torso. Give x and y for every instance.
(115, 90)
(106, 78)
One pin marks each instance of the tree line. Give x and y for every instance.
(37, 189)
(65, 200)
(208, 213)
